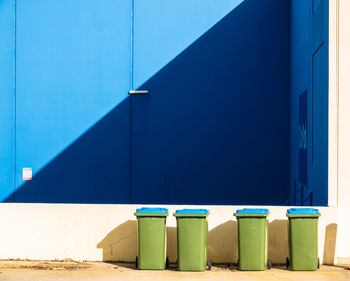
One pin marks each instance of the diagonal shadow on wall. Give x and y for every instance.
(94, 169)
(214, 128)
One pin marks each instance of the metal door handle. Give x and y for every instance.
(138, 92)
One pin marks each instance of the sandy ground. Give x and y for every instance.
(69, 271)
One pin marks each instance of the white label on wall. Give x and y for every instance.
(27, 174)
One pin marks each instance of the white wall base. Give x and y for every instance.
(108, 232)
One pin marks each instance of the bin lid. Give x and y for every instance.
(192, 211)
(152, 210)
(303, 211)
(252, 211)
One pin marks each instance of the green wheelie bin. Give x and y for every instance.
(253, 239)
(151, 238)
(303, 237)
(192, 239)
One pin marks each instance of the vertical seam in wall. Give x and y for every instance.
(313, 104)
(14, 102)
(131, 99)
(290, 107)
(132, 47)
(337, 91)
(312, 108)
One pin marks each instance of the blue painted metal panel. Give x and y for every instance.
(73, 67)
(7, 33)
(303, 136)
(300, 82)
(215, 125)
(164, 28)
(318, 153)
(309, 72)
(214, 128)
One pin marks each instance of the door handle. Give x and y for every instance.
(138, 92)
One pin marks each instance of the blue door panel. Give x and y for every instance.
(7, 31)
(214, 128)
(73, 74)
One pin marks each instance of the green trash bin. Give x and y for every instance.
(303, 239)
(253, 239)
(192, 239)
(151, 238)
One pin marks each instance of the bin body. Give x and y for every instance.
(303, 238)
(151, 238)
(252, 239)
(192, 239)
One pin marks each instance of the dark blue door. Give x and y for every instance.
(214, 128)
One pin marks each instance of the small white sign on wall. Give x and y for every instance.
(27, 174)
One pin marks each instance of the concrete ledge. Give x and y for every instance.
(109, 232)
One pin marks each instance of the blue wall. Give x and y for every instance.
(73, 66)
(163, 29)
(214, 128)
(7, 41)
(309, 75)
(215, 125)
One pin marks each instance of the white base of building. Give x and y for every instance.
(109, 232)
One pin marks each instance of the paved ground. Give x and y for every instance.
(69, 271)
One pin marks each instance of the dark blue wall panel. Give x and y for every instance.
(309, 74)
